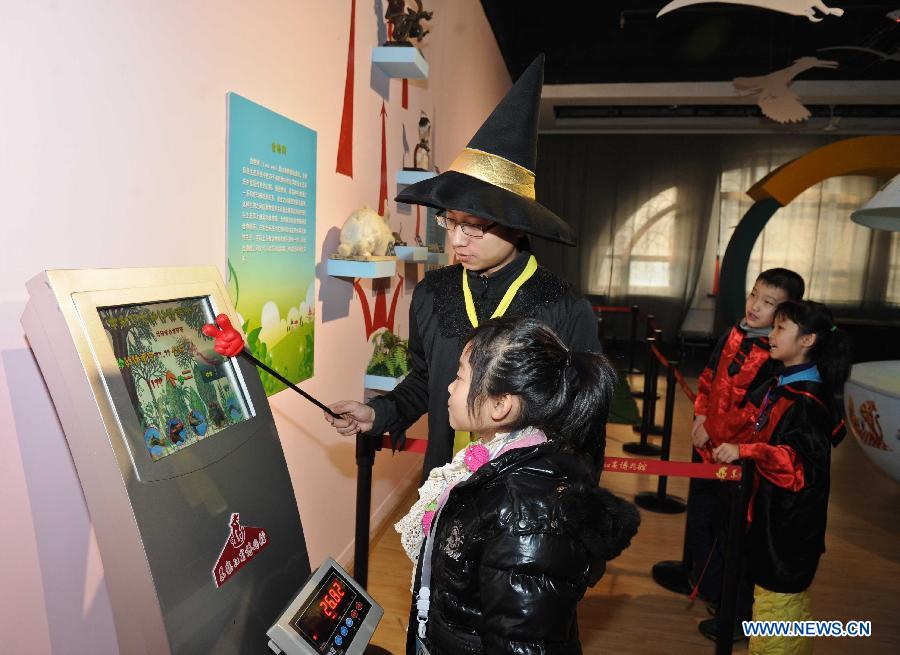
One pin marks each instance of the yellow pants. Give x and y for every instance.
(772, 606)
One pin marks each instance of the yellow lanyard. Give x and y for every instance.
(506, 300)
(463, 439)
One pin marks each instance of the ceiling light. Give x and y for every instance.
(882, 212)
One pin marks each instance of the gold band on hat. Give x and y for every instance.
(495, 170)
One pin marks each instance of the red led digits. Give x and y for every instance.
(331, 600)
(327, 610)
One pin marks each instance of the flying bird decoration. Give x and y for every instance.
(774, 96)
(808, 8)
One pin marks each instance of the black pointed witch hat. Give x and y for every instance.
(494, 176)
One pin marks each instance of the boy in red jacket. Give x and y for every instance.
(739, 362)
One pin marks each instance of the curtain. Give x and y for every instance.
(652, 213)
(640, 208)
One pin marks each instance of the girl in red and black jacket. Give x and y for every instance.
(797, 423)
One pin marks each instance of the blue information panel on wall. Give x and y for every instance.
(272, 236)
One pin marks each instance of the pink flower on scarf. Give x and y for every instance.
(476, 456)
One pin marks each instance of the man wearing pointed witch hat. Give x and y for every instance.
(486, 202)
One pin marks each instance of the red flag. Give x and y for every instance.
(715, 289)
(382, 190)
(345, 141)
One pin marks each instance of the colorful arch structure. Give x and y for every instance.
(878, 156)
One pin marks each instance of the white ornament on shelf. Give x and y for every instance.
(365, 233)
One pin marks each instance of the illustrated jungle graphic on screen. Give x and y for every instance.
(182, 390)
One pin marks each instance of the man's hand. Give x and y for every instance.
(726, 453)
(355, 417)
(698, 433)
(229, 341)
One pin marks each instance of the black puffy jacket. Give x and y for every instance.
(517, 544)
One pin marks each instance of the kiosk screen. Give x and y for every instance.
(181, 389)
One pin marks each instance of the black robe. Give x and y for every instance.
(439, 329)
(787, 530)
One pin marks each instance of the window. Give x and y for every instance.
(640, 258)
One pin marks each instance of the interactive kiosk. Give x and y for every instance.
(181, 467)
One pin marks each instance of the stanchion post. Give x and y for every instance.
(650, 374)
(660, 501)
(365, 459)
(740, 496)
(647, 399)
(674, 575)
(635, 313)
(648, 332)
(652, 427)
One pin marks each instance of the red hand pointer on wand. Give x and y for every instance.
(230, 343)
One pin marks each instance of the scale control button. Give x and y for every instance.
(338, 640)
(358, 605)
(344, 630)
(353, 613)
(349, 623)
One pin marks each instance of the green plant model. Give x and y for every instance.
(390, 357)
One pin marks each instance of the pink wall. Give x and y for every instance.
(114, 155)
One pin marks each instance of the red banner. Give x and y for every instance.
(729, 472)
(345, 140)
(724, 472)
(382, 187)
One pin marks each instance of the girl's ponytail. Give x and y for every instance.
(585, 401)
(835, 357)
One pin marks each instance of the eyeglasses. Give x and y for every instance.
(471, 231)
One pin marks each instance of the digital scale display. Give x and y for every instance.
(180, 388)
(331, 616)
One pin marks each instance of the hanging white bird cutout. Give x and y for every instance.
(794, 7)
(883, 56)
(774, 96)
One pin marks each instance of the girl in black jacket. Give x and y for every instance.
(797, 423)
(510, 534)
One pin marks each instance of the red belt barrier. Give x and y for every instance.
(662, 358)
(612, 310)
(676, 469)
(690, 393)
(628, 464)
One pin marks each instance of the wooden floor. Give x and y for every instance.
(858, 577)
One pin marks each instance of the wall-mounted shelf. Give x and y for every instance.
(381, 382)
(400, 61)
(386, 267)
(411, 177)
(438, 258)
(411, 253)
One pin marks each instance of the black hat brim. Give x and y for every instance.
(461, 192)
